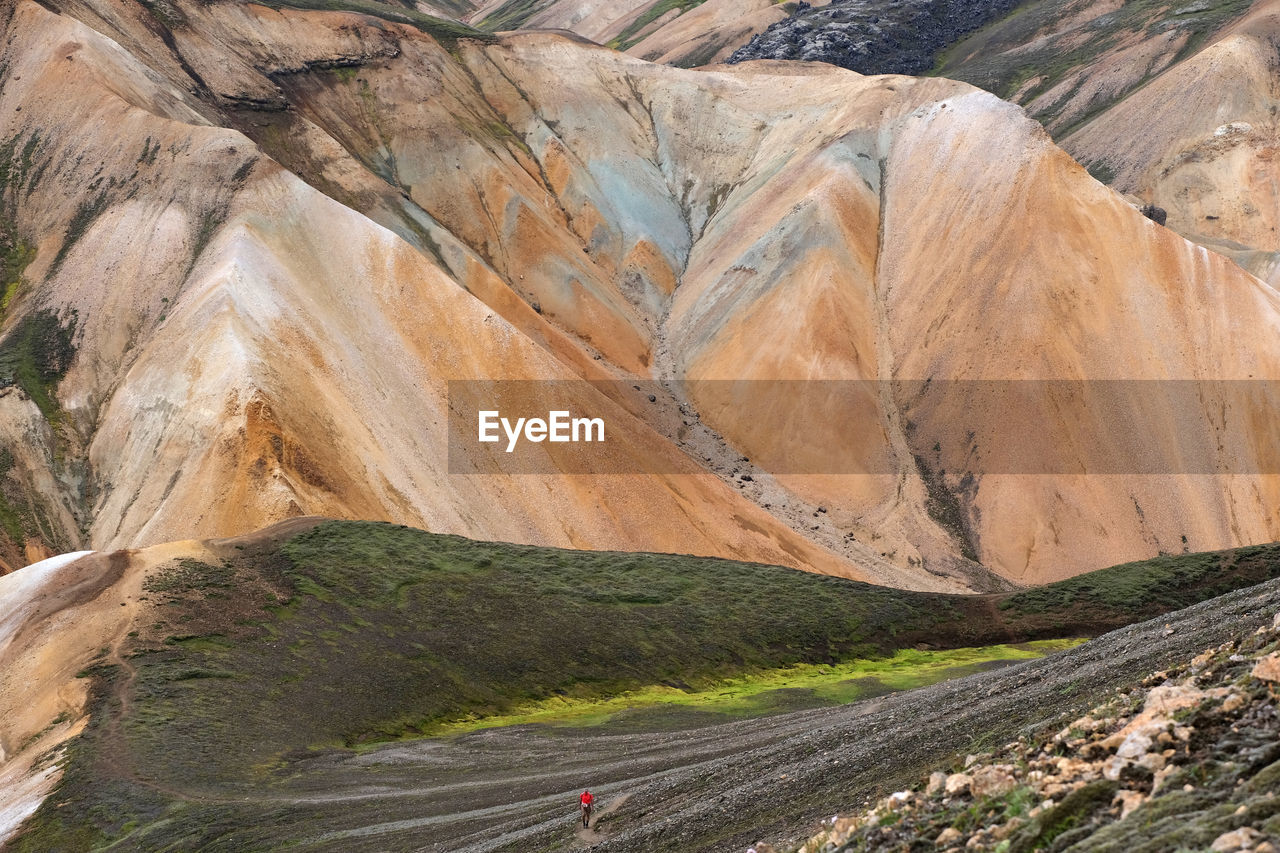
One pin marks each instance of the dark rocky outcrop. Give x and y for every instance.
(874, 36)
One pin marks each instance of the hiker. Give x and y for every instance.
(586, 799)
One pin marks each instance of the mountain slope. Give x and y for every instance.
(213, 348)
(1102, 81)
(684, 33)
(1101, 78)
(331, 215)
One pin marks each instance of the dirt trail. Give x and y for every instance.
(592, 836)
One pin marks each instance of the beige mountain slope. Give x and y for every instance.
(250, 349)
(1211, 161)
(687, 33)
(282, 231)
(707, 33)
(1174, 105)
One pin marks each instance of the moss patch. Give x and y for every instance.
(35, 356)
(775, 690)
(632, 34)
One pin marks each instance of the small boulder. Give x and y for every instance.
(948, 836)
(1084, 724)
(1002, 832)
(1159, 216)
(895, 801)
(1112, 742)
(1161, 775)
(1135, 745)
(1201, 660)
(991, 782)
(1236, 839)
(937, 783)
(1128, 801)
(1167, 698)
(1115, 767)
(1267, 668)
(957, 783)
(1070, 768)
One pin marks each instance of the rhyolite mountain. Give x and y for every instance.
(686, 33)
(246, 247)
(1171, 104)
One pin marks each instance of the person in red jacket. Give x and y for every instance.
(587, 800)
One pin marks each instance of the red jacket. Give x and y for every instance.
(586, 798)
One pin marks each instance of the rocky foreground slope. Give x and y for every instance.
(1187, 760)
(250, 245)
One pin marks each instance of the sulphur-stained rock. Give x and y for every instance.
(957, 783)
(1161, 776)
(1128, 801)
(991, 782)
(1135, 745)
(1267, 668)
